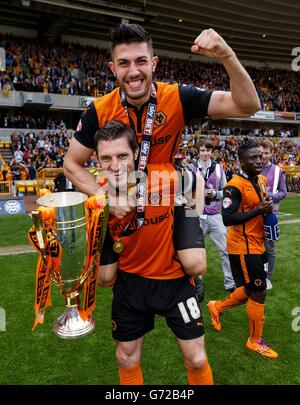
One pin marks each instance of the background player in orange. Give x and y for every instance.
(133, 64)
(243, 207)
(149, 280)
(211, 219)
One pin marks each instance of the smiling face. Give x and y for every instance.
(133, 67)
(251, 163)
(117, 161)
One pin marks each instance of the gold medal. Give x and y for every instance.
(118, 246)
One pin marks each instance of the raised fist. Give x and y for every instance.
(209, 43)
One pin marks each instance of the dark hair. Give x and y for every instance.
(126, 33)
(245, 147)
(115, 130)
(205, 142)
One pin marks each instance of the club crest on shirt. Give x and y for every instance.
(160, 118)
(155, 198)
(227, 202)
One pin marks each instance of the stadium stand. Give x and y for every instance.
(38, 68)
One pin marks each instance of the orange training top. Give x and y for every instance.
(240, 196)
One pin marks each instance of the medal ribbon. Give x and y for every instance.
(97, 219)
(45, 269)
(144, 150)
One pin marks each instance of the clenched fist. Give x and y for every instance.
(209, 43)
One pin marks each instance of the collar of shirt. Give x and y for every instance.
(254, 179)
(243, 174)
(203, 169)
(268, 166)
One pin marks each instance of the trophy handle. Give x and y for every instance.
(40, 233)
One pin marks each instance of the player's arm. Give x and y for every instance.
(198, 193)
(242, 99)
(108, 263)
(74, 169)
(107, 274)
(232, 198)
(80, 150)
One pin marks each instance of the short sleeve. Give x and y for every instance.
(194, 101)
(87, 127)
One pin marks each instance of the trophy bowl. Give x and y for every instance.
(71, 232)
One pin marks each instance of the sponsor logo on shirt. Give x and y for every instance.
(161, 140)
(147, 221)
(155, 198)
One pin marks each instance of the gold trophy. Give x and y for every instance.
(65, 247)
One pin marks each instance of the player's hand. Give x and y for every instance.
(267, 207)
(121, 211)
(209, 43)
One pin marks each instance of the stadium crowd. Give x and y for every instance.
(74, 69)
(21, 120)
(46, 149)
(209, 127)
(50, 122)
(33, 151)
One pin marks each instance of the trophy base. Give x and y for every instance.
(70, 325)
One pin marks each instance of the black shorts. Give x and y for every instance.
(249, 271)
(136, 301)
(187, 229)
